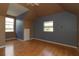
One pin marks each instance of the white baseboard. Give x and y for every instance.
(22, 40)
(10, 38)
(55, 43)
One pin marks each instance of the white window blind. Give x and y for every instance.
(9, 24)
(48, 26)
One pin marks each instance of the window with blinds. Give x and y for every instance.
(48, 26)
(9, 24)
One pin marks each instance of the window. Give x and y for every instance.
(9, 24)
(48, 26)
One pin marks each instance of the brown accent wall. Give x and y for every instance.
(2, 30)
(3, 9)
(29, 18)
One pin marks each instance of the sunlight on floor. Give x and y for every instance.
(46, 52)
(9, 50)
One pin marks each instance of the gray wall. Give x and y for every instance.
(64, 28)
(20, 26)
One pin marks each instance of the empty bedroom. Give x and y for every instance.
(39, 29)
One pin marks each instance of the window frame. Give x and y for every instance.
(13, 24)
(50, 26)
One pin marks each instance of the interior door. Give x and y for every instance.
(26, 34)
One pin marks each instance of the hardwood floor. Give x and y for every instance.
(37, 48)
(2, 51)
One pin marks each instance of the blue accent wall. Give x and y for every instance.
(65, 28)
(20, 26)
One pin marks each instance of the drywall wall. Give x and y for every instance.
(2, 30)
(20, 26)
(3, 10)
(29, 18)
(64, 28)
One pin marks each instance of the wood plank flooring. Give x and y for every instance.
(38, 48)
(2, 51)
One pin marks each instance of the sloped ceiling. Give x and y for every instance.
(45, 8)
(3, 9)
(16, 9)
(48, 9)
(71, 7)
(52, 8)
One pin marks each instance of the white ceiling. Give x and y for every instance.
(16, 9)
